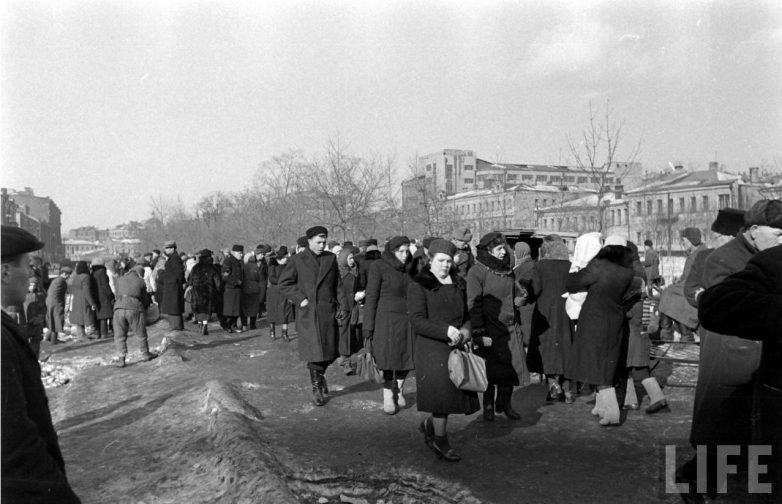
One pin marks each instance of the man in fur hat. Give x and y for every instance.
(313, 284)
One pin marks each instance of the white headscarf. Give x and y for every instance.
(615, 240)
(587, 247)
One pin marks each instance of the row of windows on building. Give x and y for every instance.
(690, 204)
(527, 177)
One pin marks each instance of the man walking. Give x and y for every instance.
(233, 276)
(33, 469)
(312, 283)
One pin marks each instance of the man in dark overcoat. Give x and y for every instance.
(33, 469)
(464, 258)
(262, 253)
(55, 304)
(172, 301)
(313, 284)
(233, 276)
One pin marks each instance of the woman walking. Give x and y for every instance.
(437, 306)
(205, 283)
(350, 330)
(552, 329)
(601, 330)
(251, 292)
(279, 311)
(83, 305)
(101, 292)
(386, 323)
(495, 330)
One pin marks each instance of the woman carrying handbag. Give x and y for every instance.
(437, 307)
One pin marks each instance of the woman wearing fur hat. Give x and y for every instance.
(491, 291)
(386, 323)
(83, 305)
(205, 283)
(279, 311)
(601, 329)
(437, 306)
(101, 292)
(350, 337)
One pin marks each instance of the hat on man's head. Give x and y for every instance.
(169, 244)
(693, 235)
(372, 247)
(363, 243)
(66, 269)
(396, 242)
(237, 248)
(372, 241)
(462, 234)
(96, 262)
(16, 241)
(491, 240)
(281, 252)
(332, 244)
(302, 241)
(263, 249)
(205, 253)
(316, 231)
(427, 241)
(440, 246)
(347, 244)
(767, 212)
(729, 221)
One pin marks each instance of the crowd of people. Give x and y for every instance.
(575, 317)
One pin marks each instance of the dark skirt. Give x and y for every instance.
(278, 309)
(435, 391)
(499, 358)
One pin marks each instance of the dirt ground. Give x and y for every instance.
(229, 418)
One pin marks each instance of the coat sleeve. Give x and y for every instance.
(342, 297)
(374, 280)
(86, 287)
(475, 283)
(747, 304)
(28, 466)
(537, 285)
(289, 284)
(580, 281)
(419, 316)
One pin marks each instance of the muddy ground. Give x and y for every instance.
(229, 418)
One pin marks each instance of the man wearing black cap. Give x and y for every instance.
(313, 284)
(728, 364)
(464, 258)
(420, 260)
(233, 276)
(33, 469)
(301, 244)
(172, 300)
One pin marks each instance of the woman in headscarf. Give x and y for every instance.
(601, 330)
(437, 305)
(522, 271)
(278, 309)
(491, 291)
(552, 329)
(205, 283)
(349, 330)
(101, 292)
(250, 299)
(83, 305)
(386, 323)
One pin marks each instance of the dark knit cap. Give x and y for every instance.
(169, 244)
(16, 241)
(347, 244)
(263, 249)
(396, 242)
(281, 252)
(302, 241)
(372, 241)
(491, 240)
(692, 234)
(428, 240)
(440, 246)
(205, 253)
(237, 248)
(729, 221)
(332, 244)
(767, 212)
(462, 234)
(316, 231)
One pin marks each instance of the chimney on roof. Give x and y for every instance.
(714, 166)
(754, 173)
(619, 191)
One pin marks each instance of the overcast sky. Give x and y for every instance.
(106, 104)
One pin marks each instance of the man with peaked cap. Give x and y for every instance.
(464, 258)
(728, 364)
(233, 276)
(313, 284)
(172, 299)
(55, 304)
(33, 469)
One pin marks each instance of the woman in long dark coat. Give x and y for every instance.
(83, 305)
(385, 320)
(601, 331)
(350, 330)
(251, 292)
(491, 291)
(437, 306)
(205, 281)
(279, 311)
(101, 292)
(552, 329)
(172, 303)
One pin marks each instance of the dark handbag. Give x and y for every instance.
(467, 371)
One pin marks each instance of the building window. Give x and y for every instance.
(511, 176)
(681, 205)
(660, 206)
(705, 203)
(583, 180)
(527, 177)
(638, 237)
(693, 204)
(468, 181)
(570, 179)
(595, 180)
(536, 203)
(541, 178)
(468, 167)
(724, 200)
(639, 207)
(670, 206)
(428, 167)
(649, 207)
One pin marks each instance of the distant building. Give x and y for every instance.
(37, 214)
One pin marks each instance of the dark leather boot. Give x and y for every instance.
(504, 403)
(488, 404)
(285, 335)
(317, 392)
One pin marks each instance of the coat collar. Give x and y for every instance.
(428, 281)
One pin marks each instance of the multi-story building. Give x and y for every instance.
(38, 215)
(81, 250)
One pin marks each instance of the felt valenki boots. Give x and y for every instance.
(611, 414)
(400, 399)
(389, 407)
(656, 398)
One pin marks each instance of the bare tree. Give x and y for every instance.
(425, 207)
(597, 154)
